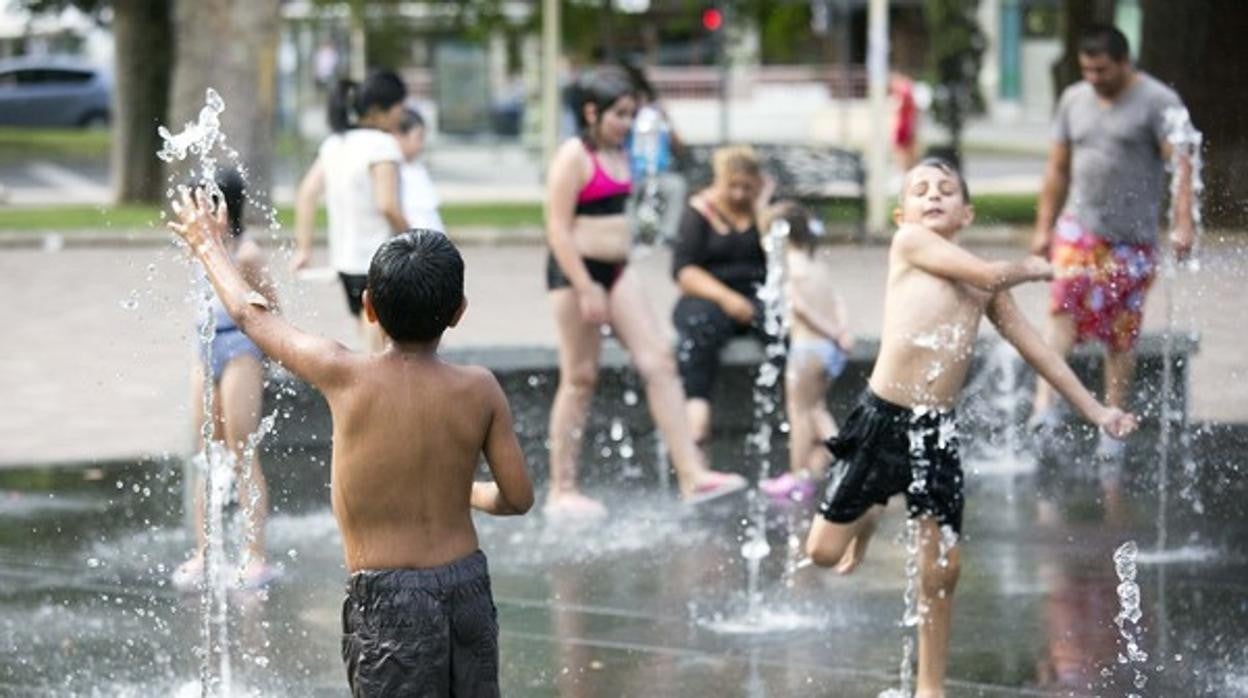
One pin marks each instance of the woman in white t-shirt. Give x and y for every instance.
(357, 169)
(420, 201)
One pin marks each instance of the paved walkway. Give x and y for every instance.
(96, 355)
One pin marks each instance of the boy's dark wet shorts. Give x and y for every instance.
(422, 632)
(886, 449)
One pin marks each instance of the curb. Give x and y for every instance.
(54, 240)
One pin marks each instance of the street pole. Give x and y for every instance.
(877, 147)
(550, 80)
(721, 41)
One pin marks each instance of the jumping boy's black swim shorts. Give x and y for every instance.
(422, 632)
(886, 449)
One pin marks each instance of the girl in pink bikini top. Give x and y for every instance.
(602, 195)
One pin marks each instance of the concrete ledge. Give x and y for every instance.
(529, 375)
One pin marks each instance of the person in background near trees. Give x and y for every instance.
(653, 146)
(357, 169)
(420, 200)
(905, 120)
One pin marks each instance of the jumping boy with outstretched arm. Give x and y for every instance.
(902, 436)
(408, 432)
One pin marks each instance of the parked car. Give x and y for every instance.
(53, 91)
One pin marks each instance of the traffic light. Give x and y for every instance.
(712, 19)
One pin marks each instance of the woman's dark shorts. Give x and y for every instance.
(354, 285)
(886, 449)
(603, 273)
(422, 632)
(702, 330)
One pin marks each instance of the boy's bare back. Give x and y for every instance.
(409, 432)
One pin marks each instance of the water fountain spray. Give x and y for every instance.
(1185, 144)
(203, 140)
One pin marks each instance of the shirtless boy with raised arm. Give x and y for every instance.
(902, 436)
(408, 432)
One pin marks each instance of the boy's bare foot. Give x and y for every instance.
(714, 484)
(573, 506)
(857, 548)
(189, 575)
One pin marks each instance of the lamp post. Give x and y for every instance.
(877, 91)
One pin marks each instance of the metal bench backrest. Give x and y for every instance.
(806, 173)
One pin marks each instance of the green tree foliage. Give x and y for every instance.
(956, 51)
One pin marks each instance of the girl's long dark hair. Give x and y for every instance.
(601, 88)
(348, 99)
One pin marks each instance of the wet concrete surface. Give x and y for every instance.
(652, 601)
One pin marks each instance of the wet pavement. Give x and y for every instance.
(652, 601)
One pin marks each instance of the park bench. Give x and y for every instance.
(823, 178)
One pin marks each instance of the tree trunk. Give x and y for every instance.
(231, 46)
(143, 68)
(1076, 16)
(1199, 49)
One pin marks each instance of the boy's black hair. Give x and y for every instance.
(411, 119)
(601, 88)
(382, 88)
(416, 283)
(944, 166)
(234, 193)
(1104, 40)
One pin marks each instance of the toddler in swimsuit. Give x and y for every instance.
(819, 342)
(235, 365)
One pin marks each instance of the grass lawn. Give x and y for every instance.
(137, 217)
(77, 143)
(992, 209)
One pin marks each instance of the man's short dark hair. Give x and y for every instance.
(944, 166)
(1104, 40)
(416, 283)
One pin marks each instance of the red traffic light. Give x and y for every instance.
(712, 19)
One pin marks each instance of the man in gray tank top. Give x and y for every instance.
(1099, 214)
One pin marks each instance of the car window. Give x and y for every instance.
(48, 76)
(8, 79)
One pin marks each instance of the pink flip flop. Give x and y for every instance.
(714, 486)
(788, 487)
